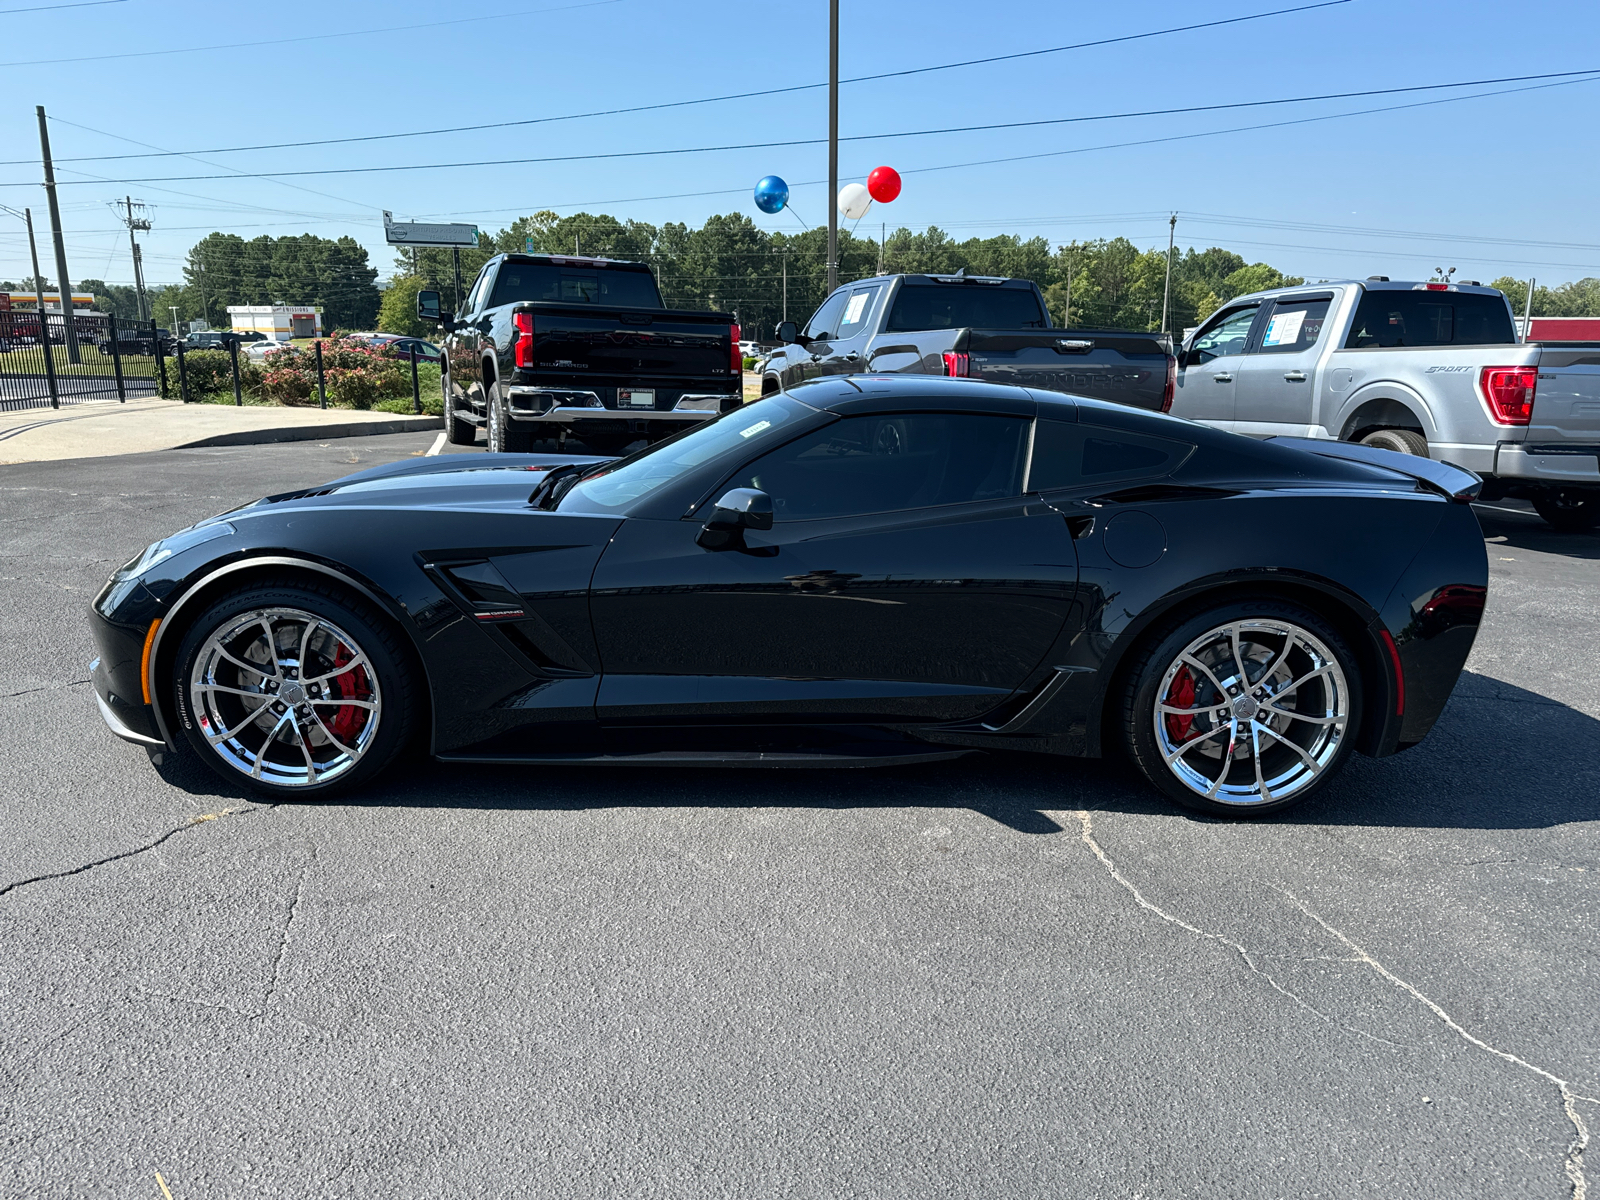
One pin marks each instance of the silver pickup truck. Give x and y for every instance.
(1426, 368)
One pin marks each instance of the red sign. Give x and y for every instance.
(1564, 329)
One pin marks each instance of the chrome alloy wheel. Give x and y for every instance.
(285, 697)
(1251, 712)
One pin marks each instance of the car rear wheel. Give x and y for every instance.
(295, 691)
(1245, 709)
(1570, 510)
(1405, 441)
(503, 439)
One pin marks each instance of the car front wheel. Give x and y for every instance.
(1570, 510)
(296, 691)
(1245, 709)
(461, 432)
(503, 439)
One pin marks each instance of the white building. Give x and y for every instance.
(278, 321)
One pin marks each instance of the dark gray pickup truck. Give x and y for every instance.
(546, 346)
(982, 327)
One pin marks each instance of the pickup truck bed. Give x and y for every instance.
(984, 328)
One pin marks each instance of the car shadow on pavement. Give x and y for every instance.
(1506, 527)
(1500, 757)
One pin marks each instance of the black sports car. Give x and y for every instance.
(857, 571)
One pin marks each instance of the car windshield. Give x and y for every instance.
(619, 484)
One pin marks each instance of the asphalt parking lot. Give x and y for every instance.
(999, 977)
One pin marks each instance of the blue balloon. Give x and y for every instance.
(772, 194)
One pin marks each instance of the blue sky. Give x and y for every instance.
(1498, 185)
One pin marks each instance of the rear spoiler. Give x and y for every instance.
(1452, 482)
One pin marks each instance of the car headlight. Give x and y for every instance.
(157, 552)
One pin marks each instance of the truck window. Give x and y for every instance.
(921, 306)
(575, 284)
(823, 322)
(1295, 324)
(1223, 334)
(856, 310)
(1395, 318)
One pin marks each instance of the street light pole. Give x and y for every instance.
(833, 144)
(1166, 288)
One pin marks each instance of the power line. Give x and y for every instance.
(314, 37)
(46, 8)
(800, 87)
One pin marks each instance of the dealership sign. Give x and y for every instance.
(421, 233)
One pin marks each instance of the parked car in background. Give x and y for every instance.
(395, 346)
(258, 351)
(1432, 369)
(978, 327)
(550, 345)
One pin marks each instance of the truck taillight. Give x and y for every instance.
(956, 363)
(1169, 390)
(1509, 391)
(735, 355)
(524, 348)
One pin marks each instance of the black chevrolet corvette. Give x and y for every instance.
(858, 571)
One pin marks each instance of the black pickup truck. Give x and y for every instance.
(548, 346)
(979, 326)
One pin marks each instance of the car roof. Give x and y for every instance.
(856, 393)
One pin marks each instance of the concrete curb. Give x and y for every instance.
(314, 433)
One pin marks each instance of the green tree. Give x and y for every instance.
(1581, 298)
(398, 312)
(1257, 277)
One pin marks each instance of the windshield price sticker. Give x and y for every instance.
(755, 429)
(1284, 328)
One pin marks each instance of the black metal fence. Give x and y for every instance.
(99, 358)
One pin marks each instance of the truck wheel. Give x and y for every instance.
(1405, 441)
(502, 438)
(1570, 511)
(459, 431)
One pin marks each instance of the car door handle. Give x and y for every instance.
(816, 358)
(1295, 376)
(852, 357)
(1223, 378)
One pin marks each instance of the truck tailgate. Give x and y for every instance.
(1566, 402)
(1125, 368)
(637, 345)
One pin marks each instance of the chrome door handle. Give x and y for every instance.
(1295, 376)
(816, 358)
(852, 357)
(1224, 378)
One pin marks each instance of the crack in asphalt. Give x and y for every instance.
(1569, 1098)
(1249, 957)
(134, 853)
(1573, 1161)
(49, 687)
(283, 934)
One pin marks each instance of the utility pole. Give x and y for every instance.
(205, 303)
(1527, 307)
(1166, 288)
(61, 245)
(883, 230)
(1066, 317)
(833, 144)
(784, 251)
(139, 222)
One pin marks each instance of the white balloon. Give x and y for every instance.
(854, 200)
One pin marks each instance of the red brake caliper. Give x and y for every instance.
(1180, 695)
(348, 720)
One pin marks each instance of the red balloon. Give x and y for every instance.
(883, 184)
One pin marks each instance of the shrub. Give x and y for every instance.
(212, 371)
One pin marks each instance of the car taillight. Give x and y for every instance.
(735, 355)
(524, 349)
(956, 363)
(1438, 287)
(1509, 391)
(1170, 390)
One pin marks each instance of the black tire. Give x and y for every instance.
(459, 432)
(1571, 510)
(1405, 441)
(359, 657)
(503, 439)
(1320, 714)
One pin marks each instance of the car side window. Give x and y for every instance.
(476, 294)
(1224, 334)
(856, 311)
(824, 323)
(1068, 454)
(1295, 324)
(872, 464)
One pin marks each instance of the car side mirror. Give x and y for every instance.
(738, 510)
(789, 334)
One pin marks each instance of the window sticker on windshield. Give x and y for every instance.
(852, 314)
(1284, 328)
(755, 429)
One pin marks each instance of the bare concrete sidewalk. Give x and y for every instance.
(99, 429)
